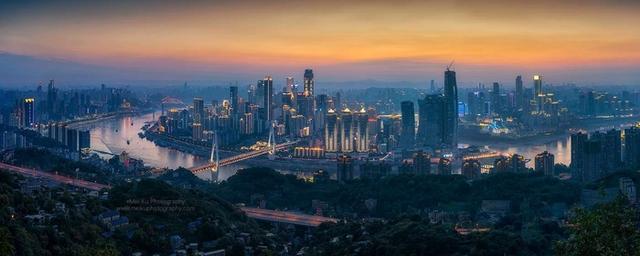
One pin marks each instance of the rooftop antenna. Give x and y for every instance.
(450, 65)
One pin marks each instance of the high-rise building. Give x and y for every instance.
(290, 84)
(632, 148)
(28, 112)
(537, 85)
(265, 95)
(345, 168)
(628, 189)
(471, 168)
(331, 132)
(450, 135)
(361, 130)
(611, 143)
(233, 94)
(444, 166)
(545, 163)
(308, 82)
(421, 163)
(408, 137)
(198, 110)
(346, 131)
(519, 93)
(577, 152)
(431, 126)
(496, 103)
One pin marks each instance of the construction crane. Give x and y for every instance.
(450, 65)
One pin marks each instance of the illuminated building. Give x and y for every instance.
(331, 131)
(308, 82)
(346, 131)
(198, 110)
(196, 132)
(28, 112)
(361, 129)
(545, 163)
(308, 152)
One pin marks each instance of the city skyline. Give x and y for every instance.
(411, 41)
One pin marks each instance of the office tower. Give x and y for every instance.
(519, 93)
(476, 103)
(444, 166)
(196, 134)
(577, 152)
(537, 85)
(592, 162)
(611, 144)
(632, 148)
(28, 112)
(628, 189)
(265, 98)
(198, 110)
(308, 82)
(306, 105)
(431, 117)
(450, 135)
(361, 122)
(290, 84)
(345, 168)
(233, 94)
(408, 137)
(331, 131)
(346, 131)
(421, 163)
(471, 168)
(545, 163)
(495, 99)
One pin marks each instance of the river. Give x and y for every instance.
(111, 135)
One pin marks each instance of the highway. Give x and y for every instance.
(286, 217)
(54, 177)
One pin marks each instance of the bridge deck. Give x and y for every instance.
(286, 217)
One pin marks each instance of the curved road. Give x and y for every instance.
(54, 177)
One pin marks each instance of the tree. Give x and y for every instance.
(609, 229)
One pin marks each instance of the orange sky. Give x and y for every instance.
(542, 34)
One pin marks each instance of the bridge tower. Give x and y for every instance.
(272, 141)
(214, 158)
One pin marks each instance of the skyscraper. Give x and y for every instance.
(431, 117)
(346, 131)
(198, 110)
(28, 112)
(408, 137)
(345, 168)
(537, 85)
(450, 137)
(519, 93)
(265, 94)
(632, 148)
(233, 94)
(545, 163)
(361, 119)
(495, 99)
(308, 82)
(331, 131)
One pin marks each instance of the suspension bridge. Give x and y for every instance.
(215, 162)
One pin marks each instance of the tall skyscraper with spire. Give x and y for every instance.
(450, 137)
